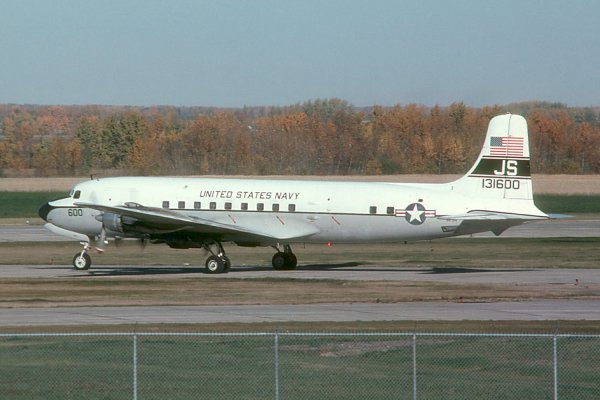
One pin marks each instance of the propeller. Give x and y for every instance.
(102, 242)
(113, 223)
(143, 243)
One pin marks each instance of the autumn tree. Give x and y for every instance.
(116, 138)
(327, 136)
(88, 135)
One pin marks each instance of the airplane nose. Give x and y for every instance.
(44, 210)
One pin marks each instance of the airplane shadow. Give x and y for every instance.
(350, 266)
(459, 270)
(140, 271)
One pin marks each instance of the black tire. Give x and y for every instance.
(279, 261)
(82, 262)
(215, 265)
(227, 264)
(284, 261)
(292, 261)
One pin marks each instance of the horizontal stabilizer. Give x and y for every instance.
(490, 216)
(560, 216)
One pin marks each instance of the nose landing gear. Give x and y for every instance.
(82, 260)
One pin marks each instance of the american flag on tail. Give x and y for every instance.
(506, 146)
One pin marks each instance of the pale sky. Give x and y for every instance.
(267, 52)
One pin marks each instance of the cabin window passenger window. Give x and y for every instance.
(165, 204)
(228, 206)
(260, 206)
(181, 204)
(390, 210)
(244, 207)
(292, 208)
(275, 207)
(213, 205)
(77, 194)
(197, 205)
(372, 210)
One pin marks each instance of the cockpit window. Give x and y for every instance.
(77, 194)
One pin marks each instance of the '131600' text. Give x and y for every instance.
(500, 183)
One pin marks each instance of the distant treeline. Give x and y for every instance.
(321, 137)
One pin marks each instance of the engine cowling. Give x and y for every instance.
(116, 223)
(112, 222)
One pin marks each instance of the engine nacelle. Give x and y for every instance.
(116, 223)
(112, 222)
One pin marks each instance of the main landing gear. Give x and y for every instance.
(284, 260)
(217, 262)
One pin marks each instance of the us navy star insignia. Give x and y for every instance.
(415, 213)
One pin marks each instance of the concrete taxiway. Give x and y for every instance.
(419, 311)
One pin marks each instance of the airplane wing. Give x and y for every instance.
(167, 220)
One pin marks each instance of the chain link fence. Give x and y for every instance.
(299, 366)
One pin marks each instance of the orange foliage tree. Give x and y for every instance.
(317, 137)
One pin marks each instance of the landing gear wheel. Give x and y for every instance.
(227, 263)
(215, 265)
(284, 261)
(292, 261)
(82, 261)
(218, 262)
(278, 261)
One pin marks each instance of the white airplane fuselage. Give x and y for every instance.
(291, 210)
(494, 195)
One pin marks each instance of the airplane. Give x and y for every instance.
(187, 212)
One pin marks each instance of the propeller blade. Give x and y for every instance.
(102, 242)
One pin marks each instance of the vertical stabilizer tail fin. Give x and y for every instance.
(502, 170)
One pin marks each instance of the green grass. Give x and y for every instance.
(25, 204)
(323, 367)
(555, 203)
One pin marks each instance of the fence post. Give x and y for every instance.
(555, 366)
(276, 366)
(414, 346)
(134, 367)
